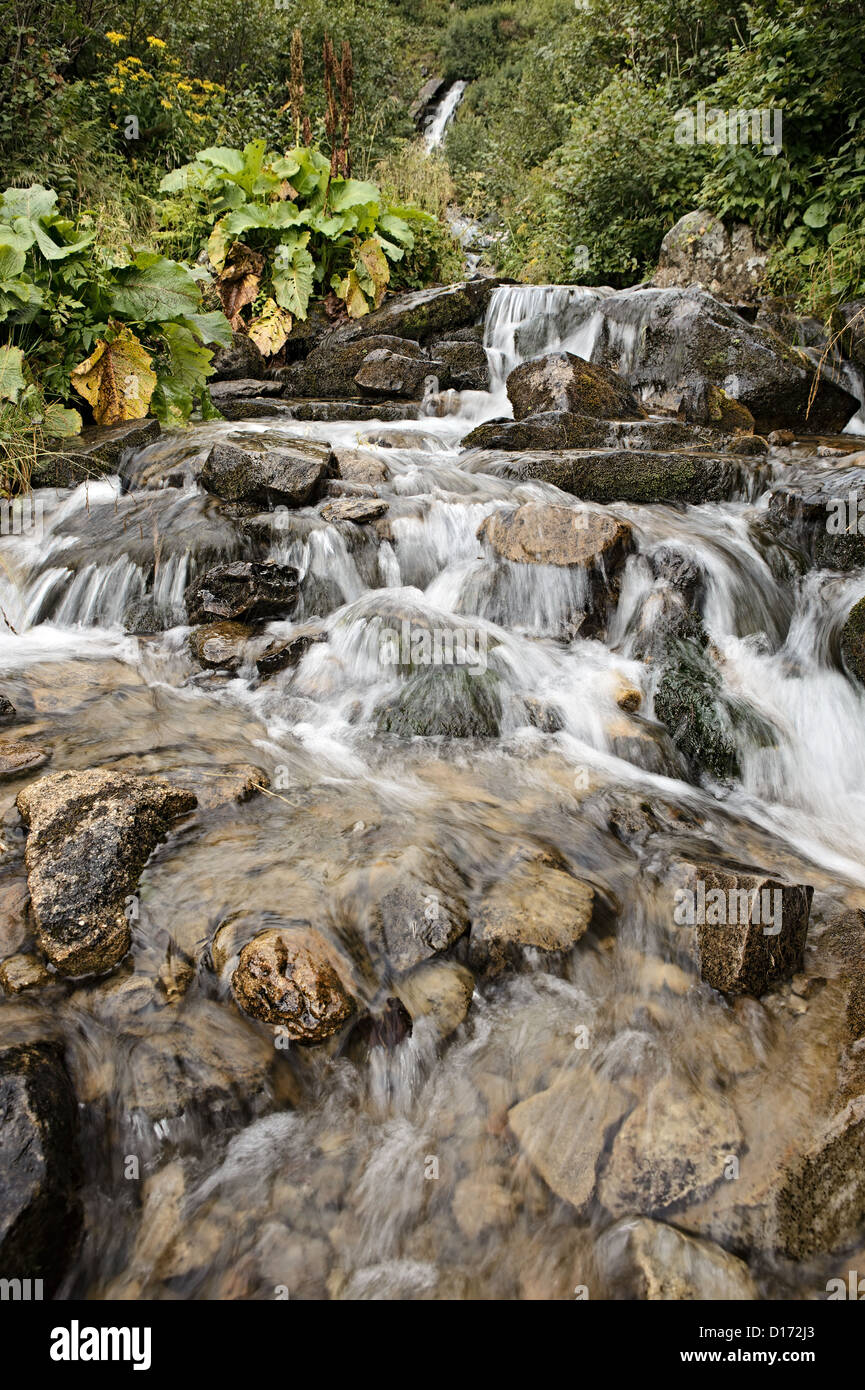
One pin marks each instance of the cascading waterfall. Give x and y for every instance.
(334, 1190)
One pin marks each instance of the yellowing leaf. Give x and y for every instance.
(372, 269)
(116, 379)
(272, 327)
(355, 301)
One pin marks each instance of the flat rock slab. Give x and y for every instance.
(536, 906)
(674, 1147)
(91, 833)
(291, 476)
(626, 475)
(20, 759)
(540, 533)
(565, 1130)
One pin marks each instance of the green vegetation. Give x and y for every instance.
(168, 163)
(566, 138)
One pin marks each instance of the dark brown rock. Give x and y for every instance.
(561, 381)
(290, 477)
(244, 591)
(286, 975)
(91, 833)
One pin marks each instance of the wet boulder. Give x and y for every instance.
(239, 362)
(624, 475)
(536, 906)
(332, 367)
(359, 466)
(287, 975)
(704, 403)
(290, 476)
(462, 366)
(281, 654)
(749, 929)
(821, 1201)
(425, 314)
(97, 450)
(647, 1260)
(448, 701)
(853, 641)
(7, 710)
(540, 533)
(386, 373)
(40, 1167)
(551, 429)
(245, 591)
(219, 646)
(699, 250)
(689, 699)
(666, 342)
(90, 835)
(356, 509)
(563, 382)
(813, 515)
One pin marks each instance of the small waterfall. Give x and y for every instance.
(443, 115)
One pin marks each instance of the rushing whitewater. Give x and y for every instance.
(399, 1176)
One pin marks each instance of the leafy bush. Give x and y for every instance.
(285, 227)
(413, 178)
(477, 40)
(138, 327)
(598, 209)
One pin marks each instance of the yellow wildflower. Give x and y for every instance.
(113, 37)
(156, 43)
(166, 104)
(135, 61)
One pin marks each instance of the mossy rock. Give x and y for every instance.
(853, 641)
(689, 705)
(448, 701)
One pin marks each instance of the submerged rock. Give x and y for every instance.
(91, 833)
(822, 1200)
(674, 1147)
(20, 759)
(565, 1129)
(244, 591)
(291, 476)
(409, 907)
(535, 906)
(562, 382)
(647, 1261)
(286, 975)
(21, 972)
(448, 701)
(7, 710)
(40, 1168)
(438, 991)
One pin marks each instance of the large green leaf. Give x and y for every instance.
(293, 269)
(209, 328)
(32, 204)
(154, 289)
(186, 378)
(61, 422)
(349, 193)
(11, 372)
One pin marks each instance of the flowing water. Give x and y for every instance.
(220, 1165)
